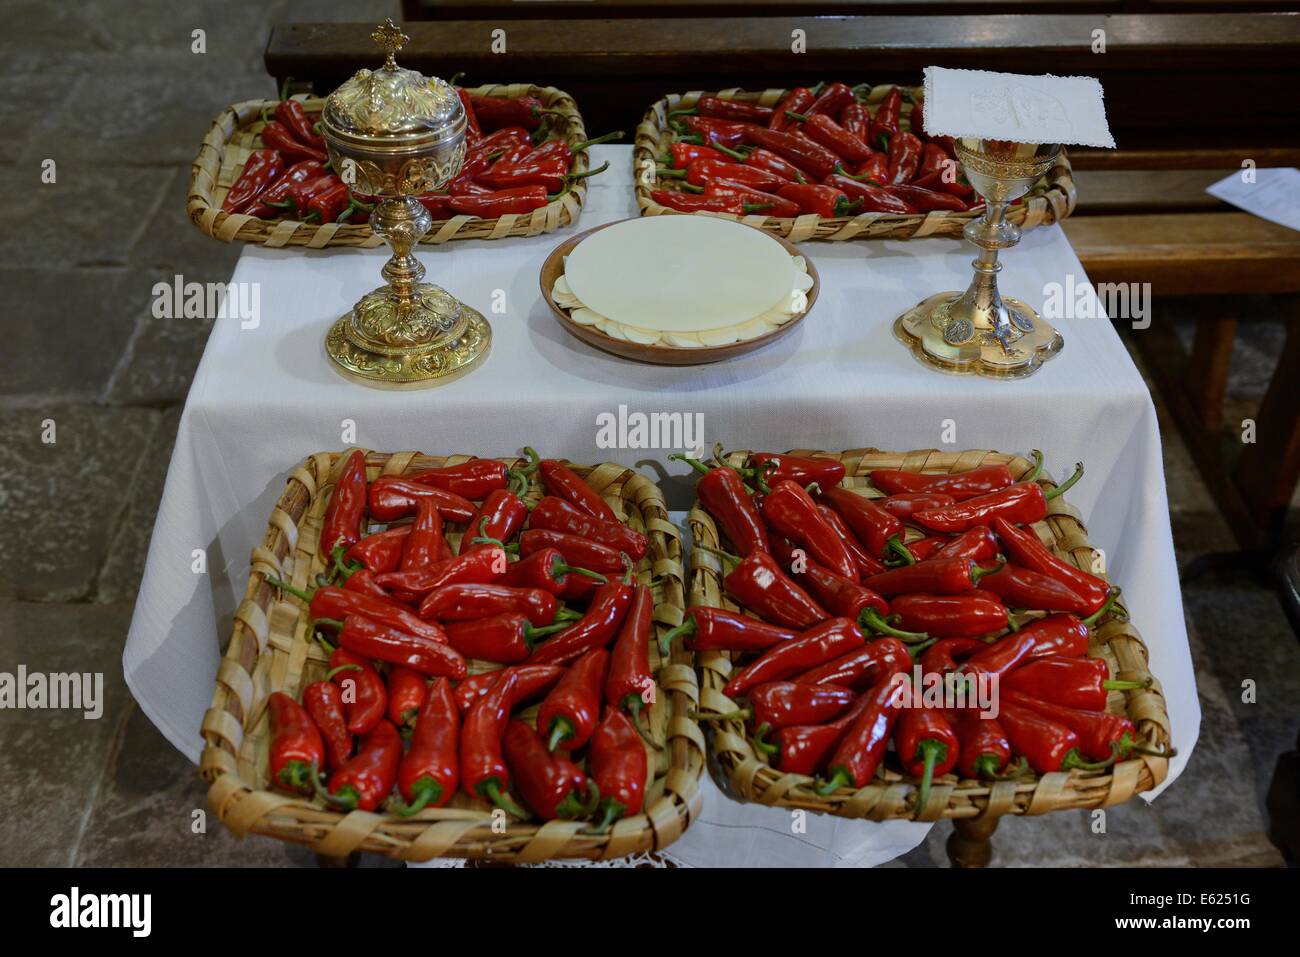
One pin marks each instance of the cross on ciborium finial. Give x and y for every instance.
(390, 39)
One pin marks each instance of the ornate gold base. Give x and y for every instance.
(921, 329)
(408, 344)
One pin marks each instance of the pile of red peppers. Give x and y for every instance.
(515, 163)
(819, 151)
(850, 594)
(438, 639)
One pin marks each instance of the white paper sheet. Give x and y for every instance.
(1016, 107)
(1272, 194)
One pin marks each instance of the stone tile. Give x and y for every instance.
(60, 504)
(119, 580)
(70, 331)
(32, 94)
(170, 244)
(53, 760)
(159, 365)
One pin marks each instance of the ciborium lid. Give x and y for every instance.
(393, 103)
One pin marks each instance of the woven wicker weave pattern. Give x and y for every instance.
(1052, 200)
(270, 650)
(234, 134)
(891, 794)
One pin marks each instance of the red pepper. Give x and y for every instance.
(758, 583)
(363, 694)
(530, 681)
(501, 202)
(362, 636)
(362, 580)
(710, 130)
(393, 498)
(916, 119)
(503, 639)
(704, 171)
(767, 160)
(783, 704)
(466, 601)
(936, 576)
(1046, 744)
(481, 567)
(752, 199)
(500, 516)
(870, 664)
(691, 203)
(1058, 635)
(963, 615)
(276, 136)
(858, 754)
(833, 99)
(904, 505)
(292, 116)
(407, 690)
(886, 121)
(933, 158)
(809, 156)
(364, 782)
(558, 515)
(960, 485)
(299, 196)
(790, 511)
(334, 205)
(722, 493)
(819, 199)
(1021, 504)
(560, 480)
(928, 200)
(874, 172)
(605, 614)
(923, 548)
(804, 748)
(474, 479)
(552, 786)
(728, 110)
(297, 751)
(936, 182)
(681, 155)
(438, 204)
(629, 663)
(875, 199)
(497, 112)
(483, 770)
(426, 545)
(878, 531)
(547, 570)
(943, 656)
(278, 191)
(982, 743)
(381, 552)
(822, 129)
(904, 160)
(549, 170)
(716, 629)
(1025, 548)
(976, 544)
(816, 646)
(430, 772)
(569, 714)
(577, 552)
(324, 703)
(558, 147)
(775, 467)
(866, 563)
(333, 603)
(927, 746)
(797, 100)
(856, 120)
(261, 170)
(347, 506)
(1021, 588)
(840, 596)
(1102, 736)
(1008, 654)
(617, 762)
(1082, 683)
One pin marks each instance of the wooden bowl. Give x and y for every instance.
(553, 268)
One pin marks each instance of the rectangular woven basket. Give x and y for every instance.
(235, 133)
(1050, 201)
(271, 650)
(890, 795)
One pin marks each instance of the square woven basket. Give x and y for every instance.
(271, 650)
(891, 794)
(1050, 201)
(235, 133)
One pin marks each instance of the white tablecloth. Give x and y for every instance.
(265, 397)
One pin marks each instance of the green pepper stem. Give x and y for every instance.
(563, 569)
(1110, 603)
(286, 587)
(1114, 684)
(568, 614)
(933, 751)
(734, 154)
(696, 464)
(761, 743)
(561, 728)
(669, 173)
(345, 799)
(743, 714)
(531, 634)
(332, 672)
(1067, 484)
(838, 779)
(613, 811)
(426, 790)
(896, 546)
(917, 649)
(606, 138)
(976, 572)
(574, 177)
(1074, 760)
(801, 117)
(870, 618)
(534, 460)
(726, 556)
(685, 629)
(1037, 469)
(491, 789)
(327, 622)
(635, 706)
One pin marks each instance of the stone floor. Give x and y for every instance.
(112, 93)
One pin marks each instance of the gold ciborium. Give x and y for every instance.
(979, 332)
(393, 133)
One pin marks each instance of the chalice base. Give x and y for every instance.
(984, 355)
(450, 340)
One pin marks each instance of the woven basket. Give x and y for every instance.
(271, 650)
(891, 794)
(1051, 200)
(234, 134)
